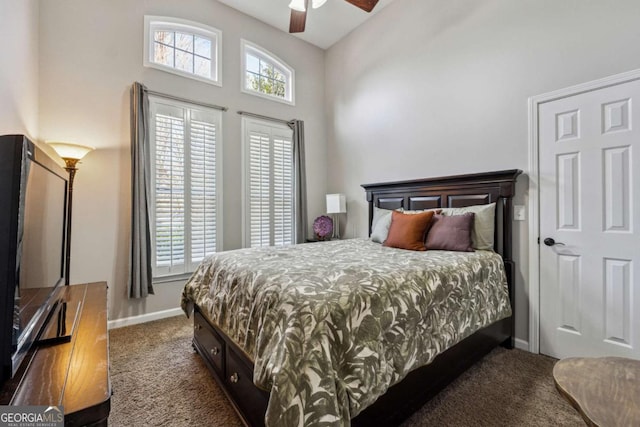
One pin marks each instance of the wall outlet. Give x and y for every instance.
(519, 213)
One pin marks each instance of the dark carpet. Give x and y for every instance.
(158, 380)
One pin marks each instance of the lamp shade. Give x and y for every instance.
(336, 203)
(297, 5)
(317, 3)
(67, 150)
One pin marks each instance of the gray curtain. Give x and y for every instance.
(300, 178)
(140, 277)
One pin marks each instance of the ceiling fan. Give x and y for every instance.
(299, 11)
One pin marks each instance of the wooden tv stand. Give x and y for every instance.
(73, 374)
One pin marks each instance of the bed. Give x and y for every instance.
(300, 344)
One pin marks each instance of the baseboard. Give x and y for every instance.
(522, 344)
(143, 318)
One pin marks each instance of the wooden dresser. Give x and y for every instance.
(74, 374)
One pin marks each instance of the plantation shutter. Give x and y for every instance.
(168, 189)
(203, 188)
(184, 186)
(259, 183)
(282, 190)
(269, 205)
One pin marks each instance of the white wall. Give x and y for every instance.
(431, 87)
(19, 67)
(90, 54)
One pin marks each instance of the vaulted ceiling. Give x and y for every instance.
(325, 25)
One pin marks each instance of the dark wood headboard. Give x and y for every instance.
(454, 192)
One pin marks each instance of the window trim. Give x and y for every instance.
(246, 227)
(189, 268)
(257, 50)
(191, 27)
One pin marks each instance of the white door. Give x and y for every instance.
(590, 206)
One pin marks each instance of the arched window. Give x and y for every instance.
(264, 74)
(183, 47)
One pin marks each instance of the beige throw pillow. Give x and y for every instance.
(483, 224)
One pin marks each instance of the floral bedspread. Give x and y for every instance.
(331, 326)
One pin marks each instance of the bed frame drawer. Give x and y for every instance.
(239, 380)
(212, 345)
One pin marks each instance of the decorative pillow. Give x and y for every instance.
(434, 210)
(380, 224)
(380, 230)
(407, 231)
(451, 233)
(483, 224)
(379, 213)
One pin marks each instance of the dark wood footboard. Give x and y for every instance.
(233, 370)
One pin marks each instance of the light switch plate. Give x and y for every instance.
(519, 213)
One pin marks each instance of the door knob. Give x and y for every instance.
(550, 242)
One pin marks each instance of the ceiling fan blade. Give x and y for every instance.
(366, 5)
(297, 21)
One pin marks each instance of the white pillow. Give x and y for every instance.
(377, 214)
(381, 231)
(483, 223)
(380, 224)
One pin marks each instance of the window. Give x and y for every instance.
(264, 74)
(182, 47)
(185, 185)
(269, 184)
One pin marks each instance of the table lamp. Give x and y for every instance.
(336, 204)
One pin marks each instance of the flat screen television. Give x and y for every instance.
(33, 203)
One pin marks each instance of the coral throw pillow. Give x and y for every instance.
(407, 231)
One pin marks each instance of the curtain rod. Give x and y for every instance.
(188, 101)
(259, 116)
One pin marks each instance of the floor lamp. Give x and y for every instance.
(336, 204)
(71, 154)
